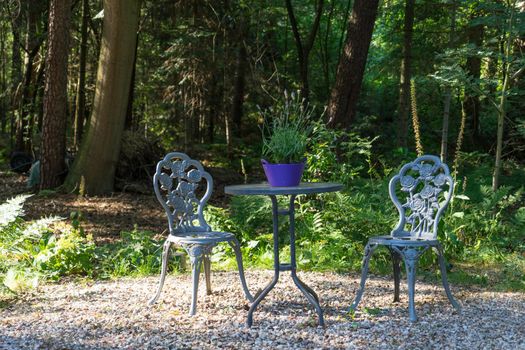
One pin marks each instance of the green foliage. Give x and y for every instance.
(480, 227)
(137, 253)
(336, 155)
(45, 249)
(286, 129)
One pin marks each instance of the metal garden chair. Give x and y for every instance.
(176, 180)
(425, 187)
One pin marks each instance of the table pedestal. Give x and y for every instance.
(292, 266)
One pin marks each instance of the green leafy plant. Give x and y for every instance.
(138, 253)
(286, 130)
(47, 248)
(337, 155)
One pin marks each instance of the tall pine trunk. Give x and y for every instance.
(94, 169)
(406, 74)
(16, 74)
(32, 46)
(55, 96)
(345, 92)
(3, 78)
(238, 89)
(80, 111)
(448, 92)
(471, 102)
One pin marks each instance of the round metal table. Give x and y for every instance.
(272, 192)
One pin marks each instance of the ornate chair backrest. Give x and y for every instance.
(425, 187)
(175, 181)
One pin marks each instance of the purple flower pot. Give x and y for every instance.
(283, 175)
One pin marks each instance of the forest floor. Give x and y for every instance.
(114, 315)
(106, 216)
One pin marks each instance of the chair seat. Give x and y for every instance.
(389, 240)
(201, 237)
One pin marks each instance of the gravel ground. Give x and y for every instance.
(114, 315)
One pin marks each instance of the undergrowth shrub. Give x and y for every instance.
(479, 225)
(336, 155)
(137, 253)
(45, 249)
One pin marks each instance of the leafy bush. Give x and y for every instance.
(45, 249)
(138, 253)
(337, 155)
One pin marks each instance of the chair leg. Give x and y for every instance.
(236, 248)
(396, 259)
(195, 272)
(164, 269)
(369, 250)
(207, 273)
(444, 280)
(410, 257)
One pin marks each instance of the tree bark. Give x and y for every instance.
(471, 101)
(304, 48)
(130, 122)
(238, 89)
(16, 72)
(448, 92)
(351, 67)
(55, 96)
(406, 74)
(94, 169)
(3, 78)
(80, 111)
(502, 107)
(32, 46)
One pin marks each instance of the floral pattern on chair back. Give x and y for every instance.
(176, 183)
(421, 192)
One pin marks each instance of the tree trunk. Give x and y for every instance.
(502, 108)
(448, 92)
(326, 63)
(16, 72)
(3, 78)
(214, 106)
(471, 102)
(94, 169)
(34, 40)
(351, 67)
(55, 96)
(304, 48)
(130, 122)
(80, 112)
(406, 74)
(238, 89)
(501, 119)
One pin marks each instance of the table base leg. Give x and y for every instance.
(311, 296)
(305, 286)
(260, 297)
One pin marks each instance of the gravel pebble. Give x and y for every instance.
(114, 315)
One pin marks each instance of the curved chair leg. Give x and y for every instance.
(411, 256)
(444, 280)
(207, 273)
(369, 250)
(236, 248)
(195, 272)
(396, 259)
(164, 269)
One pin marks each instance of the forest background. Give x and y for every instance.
(117, 84)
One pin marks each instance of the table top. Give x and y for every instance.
(266, 189)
